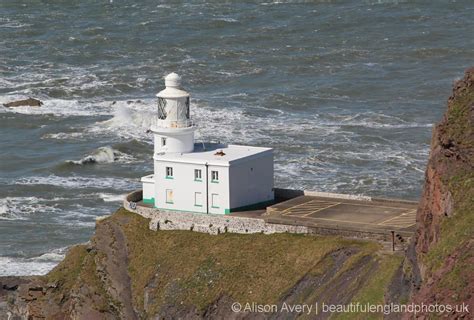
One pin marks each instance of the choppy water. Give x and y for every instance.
(346, 93)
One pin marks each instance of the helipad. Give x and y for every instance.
(376, 216)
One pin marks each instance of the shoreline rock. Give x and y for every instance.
(30, 102)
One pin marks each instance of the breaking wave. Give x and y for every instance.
(103, 155)
(40, 265)
(108, 197)
(129, 120)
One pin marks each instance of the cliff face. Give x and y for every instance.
(130, 272)
(442, 254)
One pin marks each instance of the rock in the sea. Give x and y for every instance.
(27, 102)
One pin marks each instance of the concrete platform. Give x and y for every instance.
(379, 216)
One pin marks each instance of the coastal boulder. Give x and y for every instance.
(31, 102)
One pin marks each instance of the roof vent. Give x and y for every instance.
(219, 153)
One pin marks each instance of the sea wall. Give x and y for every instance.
(206, 223)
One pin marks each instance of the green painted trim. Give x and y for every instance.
(169, 202)
(169, 177)
(198, 180)
(198, 205)
(215, 207)
(254, 206)
(149, 201)
(214, 181)
(168, 209)
(226, 211)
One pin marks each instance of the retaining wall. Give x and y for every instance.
(215, 224)
(286, 194)
(206, 223)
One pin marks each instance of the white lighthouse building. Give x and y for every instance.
(201, 177)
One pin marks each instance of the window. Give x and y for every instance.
(198, 199)
(169, 196)
(169, 172)
(162, 114)
(187, 108)
(214, 176)
(197, 174)
(215, 200)
(163, 142)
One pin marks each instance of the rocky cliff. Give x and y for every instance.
(442, 253)
(130, 272)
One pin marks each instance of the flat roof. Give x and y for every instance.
(215, 154)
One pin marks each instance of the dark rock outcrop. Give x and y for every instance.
(31, 102)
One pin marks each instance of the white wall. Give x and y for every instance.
(220, 188)
(178, 142)
(251, 181)
(182, 185)
(245, 182)
(148, 190)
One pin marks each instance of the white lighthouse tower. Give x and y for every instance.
(209, 178)
(173, 129)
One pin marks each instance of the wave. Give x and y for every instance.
(369, 120)
(78, 182)
(24, 267)
(18, 208)
(40, 265)
(65, 136)
(226, 19)
(57, 107)
(130, 120)
(108, 197)
(103, 155)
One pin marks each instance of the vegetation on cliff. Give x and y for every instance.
(444, 243)
(129, 271)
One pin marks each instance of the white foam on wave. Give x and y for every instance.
(24, 267)
(57, 107)
(226, 19)
(130, 120)
(104, 155)
(394, 170)
(14, 266)
(369, 120)
(109, 197)
(18, 208)
(9, 23)
(76, 182)
(65, 136)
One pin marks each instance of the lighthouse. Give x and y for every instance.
(204, 177)
(173, 129)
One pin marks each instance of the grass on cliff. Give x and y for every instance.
(373, 291)
(77, 272)
(195, 269)
(458, 231)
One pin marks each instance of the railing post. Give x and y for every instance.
(393, 240)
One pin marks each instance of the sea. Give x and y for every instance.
(346, 92)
